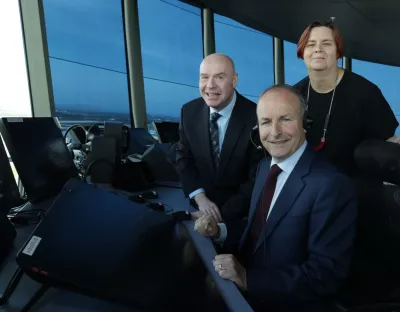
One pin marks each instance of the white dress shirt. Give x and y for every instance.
(222, 123)
(287, 167)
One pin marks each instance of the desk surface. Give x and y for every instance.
(58, 300)
(233, 298)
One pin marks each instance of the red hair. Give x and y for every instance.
(337, 37)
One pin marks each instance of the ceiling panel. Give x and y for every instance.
(369, 27)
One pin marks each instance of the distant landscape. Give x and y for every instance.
(70, 117)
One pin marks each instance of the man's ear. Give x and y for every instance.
(235, 80)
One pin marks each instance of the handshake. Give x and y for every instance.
(207, 226)
(226, 265)
(207, 217)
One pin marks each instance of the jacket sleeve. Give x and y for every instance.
(237, 227)
(185, 162)
(332, 226)
(237, 206)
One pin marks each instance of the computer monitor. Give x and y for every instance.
(117, 250)
(141, 139)
(40, 155)
(9, 194)
(162, 168)
(167, 131)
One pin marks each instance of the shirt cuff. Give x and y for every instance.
(223, 233)
(194, 193)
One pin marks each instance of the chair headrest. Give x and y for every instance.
(380, 159)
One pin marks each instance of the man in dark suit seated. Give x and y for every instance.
(296, 247)
(214, 154)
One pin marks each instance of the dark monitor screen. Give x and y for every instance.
(9, 194)
(140, 140)
(168, 131)
(39, 153)
(117, 250)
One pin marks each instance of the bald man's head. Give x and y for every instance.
(221, 58)
(287, 91)
(218, 80)
(280, 120)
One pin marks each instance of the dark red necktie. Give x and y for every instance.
(262, 210)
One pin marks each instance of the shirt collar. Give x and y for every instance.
(289, 163)
(227, 111)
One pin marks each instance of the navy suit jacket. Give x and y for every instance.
(304, 253)
(230, 186)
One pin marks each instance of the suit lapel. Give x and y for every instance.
(203, 129)
(288, 195)
(258, 187)
(284, 202)
(257, 191)
(233, 132)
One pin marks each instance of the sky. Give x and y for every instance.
(15, 94)
(88, 60)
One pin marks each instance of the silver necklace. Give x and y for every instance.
(327, 117)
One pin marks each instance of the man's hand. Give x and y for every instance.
(229, 268)
(207, 226)
(196, 215)
(207, 206)
(394, 139)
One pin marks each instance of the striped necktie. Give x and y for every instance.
(214, 138)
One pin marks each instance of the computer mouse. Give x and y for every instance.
(156, 206)
(137, 199)
(148, 195)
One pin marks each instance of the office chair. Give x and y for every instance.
(374, 281)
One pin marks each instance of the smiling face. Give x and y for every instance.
(320, 51)
(280, 123)
(217, 81)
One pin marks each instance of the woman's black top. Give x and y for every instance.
(359, 112)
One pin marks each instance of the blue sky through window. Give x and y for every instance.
(87, 57)
(252, 52)
(88, 61)
(171, 55)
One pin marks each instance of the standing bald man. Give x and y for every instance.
(215, 156)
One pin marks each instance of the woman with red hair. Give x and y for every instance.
(345, 108)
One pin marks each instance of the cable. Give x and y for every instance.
(178, 7)
(187, 85)
(180, 216)
(73, 127)
(92, 163)
(153, 205)
(30, 212)
(145, 77)
(397, 197)
(18, 208)
(92, 126)
(251, 138)
(87, 65)
(87, 132)
(215, 20)
(32, 216)
(170, 208)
